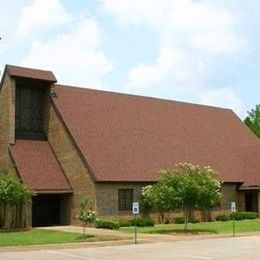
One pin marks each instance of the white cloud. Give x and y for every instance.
(75, 56)
(223, 97)
(196, 24)
(172, 68)
(41, 16)
(195, 37)
(218, 43)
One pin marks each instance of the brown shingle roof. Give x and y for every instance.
(251, 156)
(38, 168)
(15, 71)
(130, 138)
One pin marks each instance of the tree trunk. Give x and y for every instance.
(186, 216)
(84, 231)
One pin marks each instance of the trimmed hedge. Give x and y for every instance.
(243, 215)
(142, 222)
(222, 217)
(194, 220)
(124, 223)
(179, 220)
(240, 215)
(114, 224)
(108, 224)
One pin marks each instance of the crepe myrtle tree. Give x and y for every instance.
(86, 214)
(197, 187)
(159, 197)
(253, 120)
(187, 186)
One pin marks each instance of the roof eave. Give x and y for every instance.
(49, 79)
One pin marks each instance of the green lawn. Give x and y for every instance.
(212, 227)
(40, 236)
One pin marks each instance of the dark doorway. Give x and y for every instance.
(46, 210)
(251, 201)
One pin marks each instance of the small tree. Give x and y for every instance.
(86, 215)
(13, 193)
(253, 120)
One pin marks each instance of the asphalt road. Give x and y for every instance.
(219, 248)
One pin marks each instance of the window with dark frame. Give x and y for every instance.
(125, 199)
(29, 109)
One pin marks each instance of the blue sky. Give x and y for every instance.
(199, 51)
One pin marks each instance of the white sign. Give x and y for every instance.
(135, 208)
(233, 206)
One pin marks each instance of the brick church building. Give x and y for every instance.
(67, 142)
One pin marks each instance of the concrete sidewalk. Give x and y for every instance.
(90, 231)
(146, 238)
(123, 238)
(142, 238)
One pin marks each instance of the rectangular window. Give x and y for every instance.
(29, 109)
(125, 199)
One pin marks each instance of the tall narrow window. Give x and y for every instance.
(125, 199)
(29, 109)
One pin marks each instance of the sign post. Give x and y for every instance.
(135, 211)
(233, 210)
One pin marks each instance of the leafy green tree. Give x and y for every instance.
(146, 199)
(187, 186)
(210, 191)
(13, 191)
(195, 187)
(13, 194)
(160, 197)
(253, 120)
(86, 215)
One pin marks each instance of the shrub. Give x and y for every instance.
(108, 224)
(13, 191)
(222, 217)
(124, 223)
(243, 215)
(142, 222)
(179, 220)
(194, 220)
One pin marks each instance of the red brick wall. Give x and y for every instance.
(7, 123)
(107, 197)
(69, 158)
(107, 200)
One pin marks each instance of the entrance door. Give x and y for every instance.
(251, 201)
(46, 210)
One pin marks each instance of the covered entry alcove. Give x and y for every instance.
(39, 169)
(251, 198)
(51, 210)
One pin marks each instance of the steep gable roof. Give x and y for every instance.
(130, 138)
